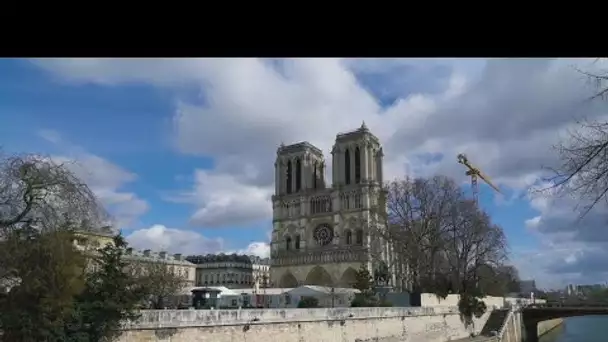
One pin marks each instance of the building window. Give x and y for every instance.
(288, 243)
(357, 165)
(287, 299)
(288, 178)
(359, 237)
(314, 176)
(298, 174)
(347, 167)
(349, 237)
(297, 241)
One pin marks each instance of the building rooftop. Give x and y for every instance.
(329, 290)
(243, 259)
(148, 255)
(105, 232)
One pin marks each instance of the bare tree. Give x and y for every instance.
(598, 77)
(498, 281)
(472, 243)
(414, 219)
(162, 281)
(441, 241)
(583, 171)
(38, 192)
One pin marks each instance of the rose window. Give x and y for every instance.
(323, 234)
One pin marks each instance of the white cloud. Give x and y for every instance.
(505, 114)
(161, 238)
(222, 200)
(106, 179)
(261, 249)
(50, 135)
(187, 242)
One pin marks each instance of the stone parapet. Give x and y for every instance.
(200, 318)
(437, 324)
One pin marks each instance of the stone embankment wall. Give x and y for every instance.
(512, 330)
(436, 324)
(546, 326)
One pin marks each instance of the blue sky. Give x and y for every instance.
(183, 150)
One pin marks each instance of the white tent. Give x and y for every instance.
(327, 296)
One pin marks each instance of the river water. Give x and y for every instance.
(580, 329)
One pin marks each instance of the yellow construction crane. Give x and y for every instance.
(475, 173)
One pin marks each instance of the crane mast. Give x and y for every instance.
(475, 174)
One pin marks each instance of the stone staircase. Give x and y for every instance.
(494, 322)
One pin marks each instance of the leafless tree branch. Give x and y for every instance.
(161, 280)
(38, 192)
(439, 238)
(583, 171)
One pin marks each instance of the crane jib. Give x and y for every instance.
(474, 172)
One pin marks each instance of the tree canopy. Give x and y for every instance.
(57, 292)
(39, 192)
(443, 242)
(160, 280)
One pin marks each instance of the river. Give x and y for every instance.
(580, 329)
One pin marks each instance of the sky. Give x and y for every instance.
(181, 151)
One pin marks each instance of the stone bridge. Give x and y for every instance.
(533, 315)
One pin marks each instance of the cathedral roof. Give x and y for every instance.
(299, 147)
(356, 134)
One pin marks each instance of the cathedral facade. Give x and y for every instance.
(323, 233)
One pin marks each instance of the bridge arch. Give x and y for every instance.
(532, 316)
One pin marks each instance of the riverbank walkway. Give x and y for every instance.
(466, 339)
(476, 339)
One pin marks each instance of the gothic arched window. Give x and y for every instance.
(314, 176)
(347, 167)
(357, 165)
(349, 237)
(359, 237)
(288, 178)
(298, 174)
(288, 243)
(297, 242)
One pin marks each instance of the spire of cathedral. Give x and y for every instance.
(363, 126)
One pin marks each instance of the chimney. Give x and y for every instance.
(147, 252)
(177, 256)
(162, 255)
(129, 251)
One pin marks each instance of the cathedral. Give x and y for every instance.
(323, 233)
